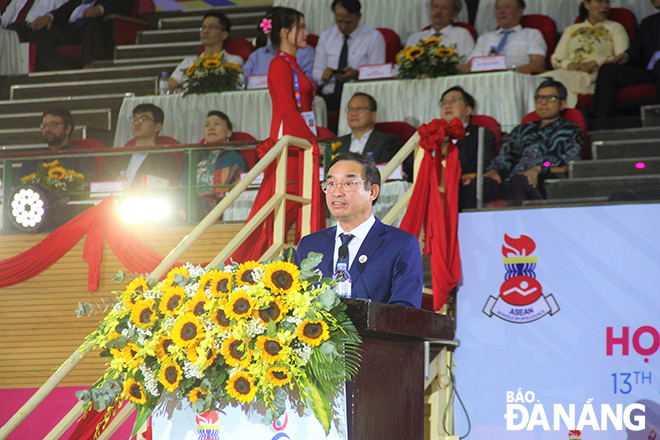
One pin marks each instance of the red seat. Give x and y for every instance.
(548, 28)
(249, 156)
(392, 44)
(462, 24)
(402, 130)
(313, 40)
(574, 116)
(325, 133)
(625, 17)
(491, 124)
(99, 161)
(239, 46)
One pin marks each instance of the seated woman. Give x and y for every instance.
(213, 33)
(584, 47)
(217, 167)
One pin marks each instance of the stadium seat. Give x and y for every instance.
(624, 16)
(239, 46)
(392, 44)
(99, 161)
(402, 130)
(249, 156)
(491, 124)
(548, 28)
(313, 40)
(325, 133)
(574, 116)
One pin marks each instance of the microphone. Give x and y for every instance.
(343, 252)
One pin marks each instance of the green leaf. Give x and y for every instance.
(144, 412)
(119, 277)
(313, 259)
(329, 350)
(320, 405)
(272, 328)
(328, 299)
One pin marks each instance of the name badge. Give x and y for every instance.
(490, 63)
(256, 181)
(375, 71)
(257, 82)
(104, 189)
(308, 117)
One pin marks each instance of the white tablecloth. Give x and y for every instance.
(506, 96)
(248, 110)
(405, 17)
(10, 53)
(563, 12)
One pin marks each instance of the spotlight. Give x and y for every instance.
(138, 210)
(29, 208)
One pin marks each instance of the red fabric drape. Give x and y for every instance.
(437, 214)
(262, 237)
(97, 222)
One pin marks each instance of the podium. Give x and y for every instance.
(386, 398)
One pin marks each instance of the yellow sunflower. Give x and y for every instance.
(335, 146)
(244, 273)
(169, 281)
(218, 316)
(135, 391)
(313, 332)
(234, 66)
(414, 52)
(189, 71)
(211, 64)
(282, 277)
(76, 175)
(444, 52)
(218, 282)
(236, 352)
(162, 344)
(197, 394)
(209, 356)
(433, 41)
(28, 177)
(57, 173)
(278, 376)
(54, 163)
(134, 291)
(274, 312)
(172, 300)
(241, 387)
(186, 330)
(170, 375)
(238, 306)
(197, 303)
(271, 349)
(143, 314)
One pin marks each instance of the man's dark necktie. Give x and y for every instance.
(343, 256)
(343, 63)
(20, 19)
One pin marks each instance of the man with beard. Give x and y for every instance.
(57, 126)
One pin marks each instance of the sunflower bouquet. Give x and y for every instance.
(211, 74)
(250, 334)
(429, 59)
(56, 179)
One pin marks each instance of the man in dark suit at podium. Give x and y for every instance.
(385, 263)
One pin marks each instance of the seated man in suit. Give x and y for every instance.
(361, 114)
(20, 14)
(385, 263)
(75, 22)
(147, 121)
(525, 48)
(457, 103)
(638, 65)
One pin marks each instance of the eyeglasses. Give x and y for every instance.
(449, 101)
(51, 124)
(140, 119)
(357, 109)
(349, 185)
(546, 98)
(210, 27)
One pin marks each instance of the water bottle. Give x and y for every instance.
(342, 279)
(164, 84)
(123, 179)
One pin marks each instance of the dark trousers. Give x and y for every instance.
(612, 77)
(95, 35)
(22, 29)
(514, 191)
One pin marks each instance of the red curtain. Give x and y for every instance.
(438, 214)
(99, 222)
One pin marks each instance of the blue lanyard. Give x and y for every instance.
(296, 82)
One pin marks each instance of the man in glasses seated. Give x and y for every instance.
(148, 170)
(533, 149)
(57, 126)
(385, 263)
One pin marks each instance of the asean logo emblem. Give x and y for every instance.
(208, 426)
(521, 298)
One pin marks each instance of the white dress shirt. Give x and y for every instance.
(357, 145)
(39, 8)
(178, 73)
(365, 46)
(455, 36)
(359, 234)
(520, 44)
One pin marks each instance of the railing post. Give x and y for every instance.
(7, 184)
(191, 200)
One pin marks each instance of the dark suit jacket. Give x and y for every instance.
(382, 146)
(645, 43)
(392, 272)
(61, 15)
(467, 149)
(163, 165)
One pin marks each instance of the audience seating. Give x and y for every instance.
(249, 156)
(99, 161)
(313, 40)
(574, 116)
(491, 124)
(325, 133)
(462, 24)
(239, 46)
(392, 44)
(548, 28)
(624, 16)
(402, 130)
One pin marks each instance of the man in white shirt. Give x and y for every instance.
(525, 48)
(443, 14)
(18, 20)
(342, 49)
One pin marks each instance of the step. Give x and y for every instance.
(195, 21)
(625, 134)
(137, 86)
(600, 186)
(24, 136)
(156, 50)
(584, 201)
(107, 73)
(189, 35)
(614, 167)
(625, 149)
(99, 119)
(138, 62)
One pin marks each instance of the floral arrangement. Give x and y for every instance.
(55, 178)
(249, 334)
(212, 74)
(429, 59)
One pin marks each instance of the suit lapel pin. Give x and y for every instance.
(362, 259)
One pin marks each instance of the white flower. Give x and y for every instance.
(191, 370)
(258, 273)
(304, 352)
(255, 327)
